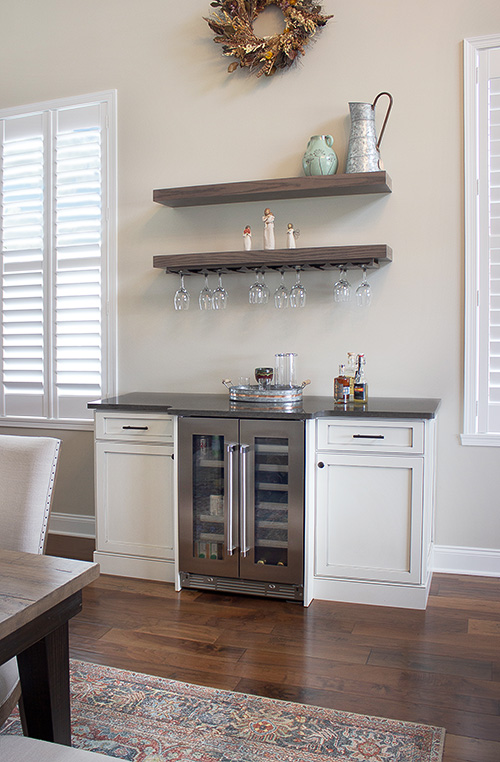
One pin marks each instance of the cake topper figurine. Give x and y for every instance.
(247, 238)
(291, 236)
(268, 220)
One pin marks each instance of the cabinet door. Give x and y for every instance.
(369, 517)
(135, 499)
(208, 496)
(272, 501)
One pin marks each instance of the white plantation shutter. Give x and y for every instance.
(493, 318)
(482, 165)
(57, 230)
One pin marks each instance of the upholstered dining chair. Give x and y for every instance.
(27, 474)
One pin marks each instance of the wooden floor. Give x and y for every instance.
(440, 667)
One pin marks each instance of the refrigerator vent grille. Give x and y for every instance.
(243, 586)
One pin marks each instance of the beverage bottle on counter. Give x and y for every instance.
(341, 386)
(360, 385)
(350, 371)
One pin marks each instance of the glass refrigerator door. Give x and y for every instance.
(273, 503)
(208, 522)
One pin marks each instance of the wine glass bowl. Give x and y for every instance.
(281, 294)
(206, 297)
(182, 296)
(297, 292)
(342, 288)
(219, 296)
(363, 292)
(256, 291)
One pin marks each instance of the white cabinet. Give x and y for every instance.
(135, 498)
(373, 495)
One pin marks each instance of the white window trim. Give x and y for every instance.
(470, 434)
(109, 358)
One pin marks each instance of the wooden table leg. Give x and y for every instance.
(44, 673)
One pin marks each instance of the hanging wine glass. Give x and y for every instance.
(265, 290)
(297, 292)
(206, 297)
(220, 296)
(255, 292)
(363, 292)
(182, 296)
(281, 294)
(342, 288)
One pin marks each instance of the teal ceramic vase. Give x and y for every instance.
(320, 158)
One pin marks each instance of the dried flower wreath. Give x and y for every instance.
(232, 25)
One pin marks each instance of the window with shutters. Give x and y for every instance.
(482, 241)
(58, 228)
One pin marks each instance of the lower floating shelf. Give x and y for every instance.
(316, 258)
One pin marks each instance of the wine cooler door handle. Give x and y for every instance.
(244, 449)
(230, 448)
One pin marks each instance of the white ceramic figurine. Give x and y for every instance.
(268, 220)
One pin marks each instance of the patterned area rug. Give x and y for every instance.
(151, 719)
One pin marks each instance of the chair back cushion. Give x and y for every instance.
(27, 474)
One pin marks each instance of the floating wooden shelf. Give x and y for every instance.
(319, 258)
(273, 190)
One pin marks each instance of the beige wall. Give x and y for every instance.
(183, 120)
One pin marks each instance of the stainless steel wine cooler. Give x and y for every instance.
(241, 506)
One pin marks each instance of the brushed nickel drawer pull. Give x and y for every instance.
(368, 436)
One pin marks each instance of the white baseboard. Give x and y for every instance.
(72, 524)
(133, 566)
(453, 559)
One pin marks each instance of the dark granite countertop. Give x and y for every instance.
(219, 406)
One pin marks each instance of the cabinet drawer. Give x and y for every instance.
(134, 426)
(369, 436)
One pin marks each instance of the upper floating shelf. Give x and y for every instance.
(273, 190)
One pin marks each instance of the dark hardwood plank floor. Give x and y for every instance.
(440, 666)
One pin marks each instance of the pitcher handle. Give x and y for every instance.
(391, 101)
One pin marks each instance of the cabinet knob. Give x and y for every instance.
(321, 464)
(173, 456)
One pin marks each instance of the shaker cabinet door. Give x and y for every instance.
(135, 499)
(369, 517)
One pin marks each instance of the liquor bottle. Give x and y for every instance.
(350, 371)
(341, 386)
(360, 385)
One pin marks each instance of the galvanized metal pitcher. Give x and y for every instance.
(363, 154)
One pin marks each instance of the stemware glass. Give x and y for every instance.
(363, 292)
(258, 292)
(220, 296)
(297, 292)
(265, 290)
(255, 292)
(182, 296)
(281, 294)
(342, 288)
(206, 297)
